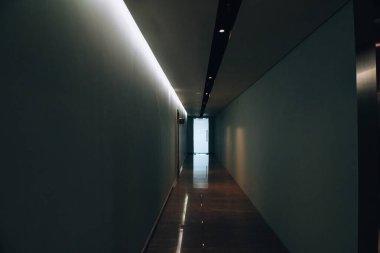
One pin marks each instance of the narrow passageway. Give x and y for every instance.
(208, 212)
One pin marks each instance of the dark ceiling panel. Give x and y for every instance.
(264, 32)
(225, 20)
(179, 33)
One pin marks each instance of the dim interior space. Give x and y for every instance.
(189, 126)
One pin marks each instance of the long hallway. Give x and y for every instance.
(208, 212)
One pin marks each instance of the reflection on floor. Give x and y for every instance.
(208, 212)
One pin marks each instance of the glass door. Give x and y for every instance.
(201, 135)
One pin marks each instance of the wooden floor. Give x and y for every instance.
(208, 212)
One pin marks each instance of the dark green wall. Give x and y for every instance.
(87, 129)
(290, 141)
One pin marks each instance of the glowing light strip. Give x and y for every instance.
(126, 22)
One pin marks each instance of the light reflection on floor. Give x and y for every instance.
(181, 226)
(200, 171)
(208, 212)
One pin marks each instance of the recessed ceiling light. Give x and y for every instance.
(221, 30)
(210, 77)
(206, 93)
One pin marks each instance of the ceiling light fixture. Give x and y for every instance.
(210, 77)
(221, 30)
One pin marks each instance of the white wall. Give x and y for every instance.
(290, 141)
(87, 129)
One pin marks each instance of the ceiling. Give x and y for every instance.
(180, 33)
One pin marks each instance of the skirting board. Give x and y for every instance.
(159, 216)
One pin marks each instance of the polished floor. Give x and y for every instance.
(208, 212)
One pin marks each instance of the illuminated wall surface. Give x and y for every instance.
(290, 141)
(87, 128)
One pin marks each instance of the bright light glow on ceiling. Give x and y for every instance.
(221, 30)
(126, 23)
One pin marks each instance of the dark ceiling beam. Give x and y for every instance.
(225, 20)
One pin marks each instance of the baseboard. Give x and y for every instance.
(158, 218)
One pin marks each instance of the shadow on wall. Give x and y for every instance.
(290, 141)
(234, 153)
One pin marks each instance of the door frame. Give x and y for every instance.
(177, 163)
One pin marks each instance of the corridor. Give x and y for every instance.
(208, 212)
(99, 107)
